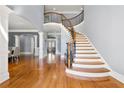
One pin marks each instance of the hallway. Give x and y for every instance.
(30, 72)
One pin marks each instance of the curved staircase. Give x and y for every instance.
(82, 59)
(87, 62)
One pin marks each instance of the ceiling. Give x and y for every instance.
(17, 22)
(64, 8)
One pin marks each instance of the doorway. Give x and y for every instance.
(27, 44)
(51, 48)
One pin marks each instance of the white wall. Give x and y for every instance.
(64, 39)
(4, 75)
(104, 25)
(79, 27)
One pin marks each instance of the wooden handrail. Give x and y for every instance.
(74, 16)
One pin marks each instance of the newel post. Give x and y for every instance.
(69, 55)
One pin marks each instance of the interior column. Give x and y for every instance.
(41, 44)
(57, 43)
(17, 41)
(35, 45)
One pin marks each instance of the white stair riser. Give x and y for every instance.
(84, 74)
(88, 66)
(84, 48)
(86, 60)
(87, 55)
(83, 45)
(85, 51)
(83, 41)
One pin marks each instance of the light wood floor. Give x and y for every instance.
(49, 73)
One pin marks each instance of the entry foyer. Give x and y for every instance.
(59, 47)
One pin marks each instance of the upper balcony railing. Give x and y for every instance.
(76, 19)
(58, 18)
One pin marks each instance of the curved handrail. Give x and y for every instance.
(74, 16)
(76, 19)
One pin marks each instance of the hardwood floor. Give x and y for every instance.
(49, 73)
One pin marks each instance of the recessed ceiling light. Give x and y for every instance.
(54, 9)
(81, 8)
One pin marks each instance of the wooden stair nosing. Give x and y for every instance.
(104, 78)
(85, 49)
(91, 70)
(90, 63)
(84, 46)
(86, 53)
(82, 43)
(87, 57)
(77, 40)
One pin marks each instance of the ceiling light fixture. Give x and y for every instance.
(54, 9)
(81, 8)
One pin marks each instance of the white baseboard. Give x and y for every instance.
(118, 76)
(26, 53)
(86, 74)
(4, 77)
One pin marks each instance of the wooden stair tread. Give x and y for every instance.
(91, 70)
(86, 53)
(82, 43)
(90, 63)
(80, 36)
(81, 40)
(104, 78)
(88, 57)
(83, 46)
(86, 49)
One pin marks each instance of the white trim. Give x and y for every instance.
(87, 55)
(4, 76)
(85, 74)
(88, 66)
(86, 60)
(26, 53)
(84, 47)
(23, 30)
(79, 44)
(118, 76)
(85, 51)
